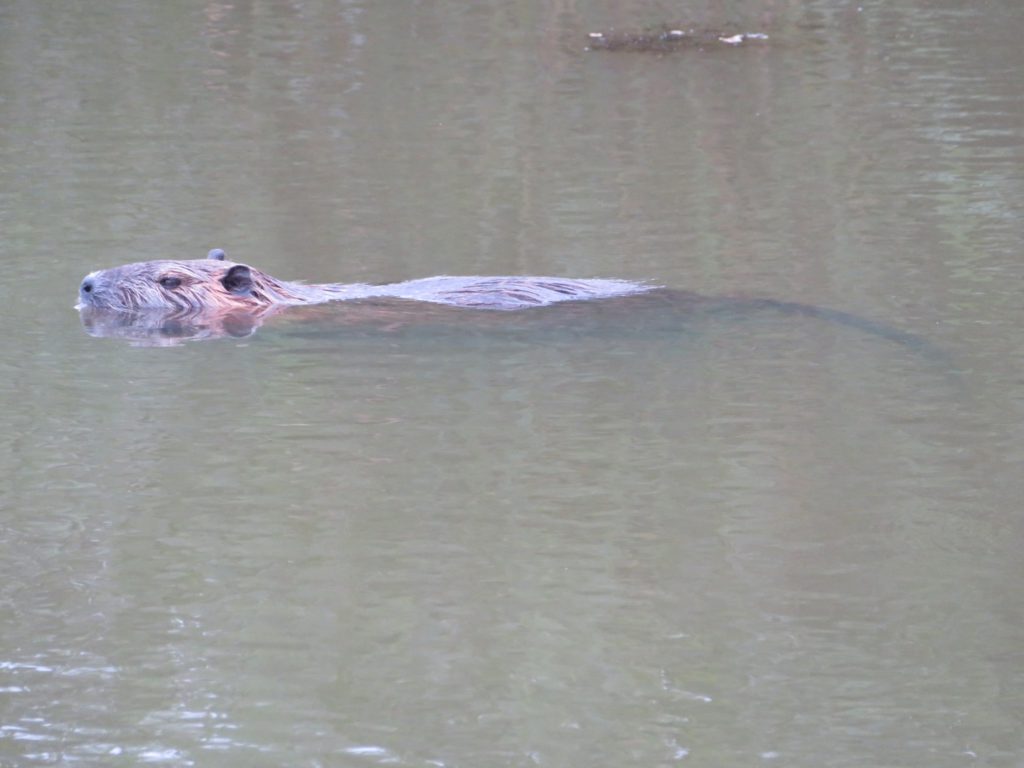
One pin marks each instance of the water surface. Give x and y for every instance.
(607, 539)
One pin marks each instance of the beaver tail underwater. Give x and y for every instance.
(835, 316)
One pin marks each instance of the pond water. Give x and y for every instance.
(588, 538)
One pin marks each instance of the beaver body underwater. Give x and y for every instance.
(168, 301)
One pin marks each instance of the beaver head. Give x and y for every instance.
(195, 285)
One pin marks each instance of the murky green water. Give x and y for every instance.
(622, 539)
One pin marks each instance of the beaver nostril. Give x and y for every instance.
(87, 285)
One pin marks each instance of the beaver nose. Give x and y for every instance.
(87, 285)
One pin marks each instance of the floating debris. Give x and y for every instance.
(668, 37)
(742, 37)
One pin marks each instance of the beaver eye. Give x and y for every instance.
(170, 282)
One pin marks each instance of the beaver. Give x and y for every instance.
(165, 302)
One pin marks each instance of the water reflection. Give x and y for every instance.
(159, 328)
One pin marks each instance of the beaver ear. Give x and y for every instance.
(216, 253)
(238, 280)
